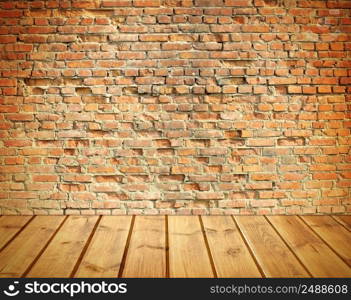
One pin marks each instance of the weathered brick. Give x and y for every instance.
(45, 178)
(175, 106)
(146, 3)
(7, 82)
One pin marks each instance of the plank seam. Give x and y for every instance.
(291, 250)
(85, 248)
(324, 241)
(213, 266)
(249, 249)
(125, 252)
(339, 222)
(44, 248)
(167, 248)
(17, 233)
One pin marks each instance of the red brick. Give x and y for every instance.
(174, 107)
(324, 176)
(5, 39)
(23, 195)
(209, 196)
(259, 186)
(18, 47)
(184, 169)
(18, 143)
(281, 80)
(9, 108)
(263, 203)
(292, 89)
(45, 178)
(116, 3)
(255, 28)
(11, 13)
(262, 176)
(132, 170)
(260, 142)
(243, 3)
(7, 82)
(146, 3)
(101, 169)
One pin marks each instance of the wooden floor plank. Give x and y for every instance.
(17, 257)
(344, 220)
(231, 256)
(188, 256)
(104, 254)
(334, 234)
(223, 246)
(60, 257)
(10, 226)
(320, 260)
(274, 257)
(146, 256)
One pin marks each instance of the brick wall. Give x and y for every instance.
(175, 107)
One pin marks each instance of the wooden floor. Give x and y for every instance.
(175, 246)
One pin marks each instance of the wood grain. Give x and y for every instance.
(274, 257)
(60, 257)
(188, 256)
(104, 254)
(209, 246)
(231, 256)
(10, 226)
(334, 234)
(320, 260)
(146, 256)
(344, 220)
(17, 257)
